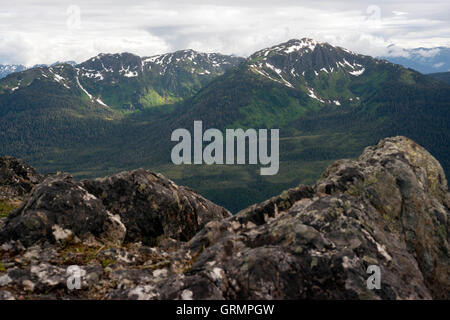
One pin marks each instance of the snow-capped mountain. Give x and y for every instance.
(111, 66)
(128, 82)
(307, 65)
(306, 57)
(118, 110)
(191, 61)
(10, 68)
(324, 73)
(114, 66)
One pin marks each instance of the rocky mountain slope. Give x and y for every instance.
(137, 235)
(7, 69)
(124, 81)
(327, 102)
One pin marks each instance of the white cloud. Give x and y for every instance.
(399, 13)
(438, 65)
(428, 53)
(50, 30)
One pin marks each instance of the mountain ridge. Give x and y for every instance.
(342, 103)
(424, 60)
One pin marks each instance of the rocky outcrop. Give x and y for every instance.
(130, 206)
(152, 206)
(16, 178)
(407, 188)
(61, 210)
(389, 208)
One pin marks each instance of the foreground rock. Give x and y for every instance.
(130, 206)
(389, 208)
(152, 206)
(16, 178)
(16, 181)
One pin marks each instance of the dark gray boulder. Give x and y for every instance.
(60, 210)
(389, 208)
(129, 206)
(151, 206)
(16, 178)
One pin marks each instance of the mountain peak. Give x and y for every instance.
(195, 62)
(291, 46)
(307, 64)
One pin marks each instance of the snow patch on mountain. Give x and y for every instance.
(198, 63)
(357, 72)
(278, 71)
(101, 102)
(58, 78)
(312, 94)
(292, 46)
(81, 87)
(93, 75)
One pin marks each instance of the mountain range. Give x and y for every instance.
(6, 69)
(117, 111)
(424, 60)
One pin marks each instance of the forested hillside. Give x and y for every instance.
(117, 112)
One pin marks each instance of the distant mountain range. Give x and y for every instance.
(442, 76)
(424, 60)
(6, 69)
(117, 111)
(10, 68)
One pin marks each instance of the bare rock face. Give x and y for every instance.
(130, 206)
(16, 178)
(152, 206)
(389, 208)
(61, 210)
(408, 189)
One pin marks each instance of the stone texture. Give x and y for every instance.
(151, 206)
(16, 178)
(61, 210)
(130, 206)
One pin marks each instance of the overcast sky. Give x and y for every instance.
(45, 31)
